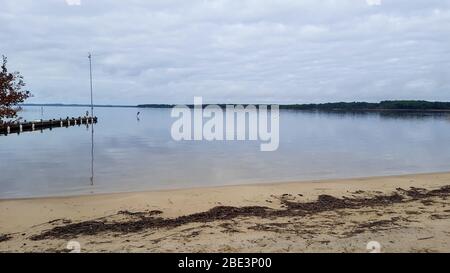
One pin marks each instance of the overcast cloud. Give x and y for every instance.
(280, 51)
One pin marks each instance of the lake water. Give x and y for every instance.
(134, 155)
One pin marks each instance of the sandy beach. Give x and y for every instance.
(409, 213)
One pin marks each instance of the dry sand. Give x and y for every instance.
(283, 217)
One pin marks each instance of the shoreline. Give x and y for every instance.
(240, 218)
(256, 184)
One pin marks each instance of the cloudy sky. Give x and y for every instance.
(243, 51)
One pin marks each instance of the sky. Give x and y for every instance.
(229, 51)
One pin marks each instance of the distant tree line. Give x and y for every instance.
(383, 105)
(348, 106)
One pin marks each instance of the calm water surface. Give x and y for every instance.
(133, 155)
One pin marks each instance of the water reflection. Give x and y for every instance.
(382, 114)
(92, 154)
(127, 152)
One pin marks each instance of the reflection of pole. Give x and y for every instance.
(92, 120)
(92, 153)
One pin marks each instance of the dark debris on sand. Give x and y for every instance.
(4, 237)
(147, 220)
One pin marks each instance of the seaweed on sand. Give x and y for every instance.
(290, 209)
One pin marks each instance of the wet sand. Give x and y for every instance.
(409, 213)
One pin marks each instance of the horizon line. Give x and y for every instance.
(190, 104)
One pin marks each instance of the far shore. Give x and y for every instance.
(361, 106)
(407, 213)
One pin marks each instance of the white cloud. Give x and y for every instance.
(73, 2)
(373, 2)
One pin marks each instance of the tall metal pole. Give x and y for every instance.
(90, 75)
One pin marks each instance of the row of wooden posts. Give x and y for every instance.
(6, 129)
